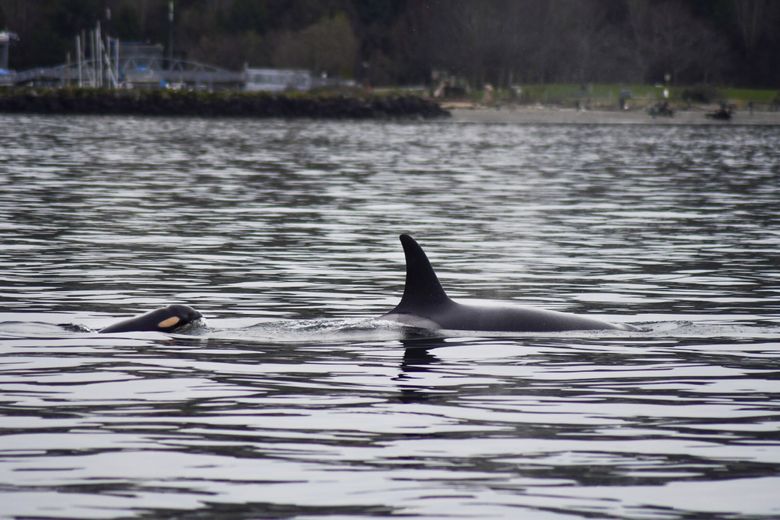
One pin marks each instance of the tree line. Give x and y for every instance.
(395, 42)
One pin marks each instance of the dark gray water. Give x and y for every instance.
(295, 403)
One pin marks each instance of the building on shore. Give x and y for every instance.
(277, 80)
(6, 75)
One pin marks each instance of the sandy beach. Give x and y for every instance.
(552, 115)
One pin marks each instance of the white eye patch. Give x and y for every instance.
(169, 322)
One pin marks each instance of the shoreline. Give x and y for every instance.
(344, 105)
(554, 115)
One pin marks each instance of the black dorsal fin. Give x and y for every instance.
(422, 286)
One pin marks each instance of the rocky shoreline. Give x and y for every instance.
(218, 104)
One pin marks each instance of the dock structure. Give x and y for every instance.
(180, 72)
(105, 62)
(132, 74)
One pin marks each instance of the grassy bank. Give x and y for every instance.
(352, 105)
(598, 95)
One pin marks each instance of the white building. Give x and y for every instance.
(277, 80)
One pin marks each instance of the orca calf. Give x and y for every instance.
(167, 319)
(425, 305)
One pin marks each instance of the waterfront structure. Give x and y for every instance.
(105, 62)
(6, 75)
(277, 80)
(115, 69)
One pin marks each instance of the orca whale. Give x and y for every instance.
(424, 304)
(166, 319)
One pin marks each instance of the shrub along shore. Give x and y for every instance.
(328, 105)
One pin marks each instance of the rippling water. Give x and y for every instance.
(294, 403)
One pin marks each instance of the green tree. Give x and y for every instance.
(329, 45)
(126, 23)
(247, 15)
(391, 41)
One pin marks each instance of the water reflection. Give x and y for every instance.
(417, 358)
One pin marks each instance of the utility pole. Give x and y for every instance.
(170, 34)
(109, 26)
(79, 58)
(98, 55)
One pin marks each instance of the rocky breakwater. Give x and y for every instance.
(218, 104)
